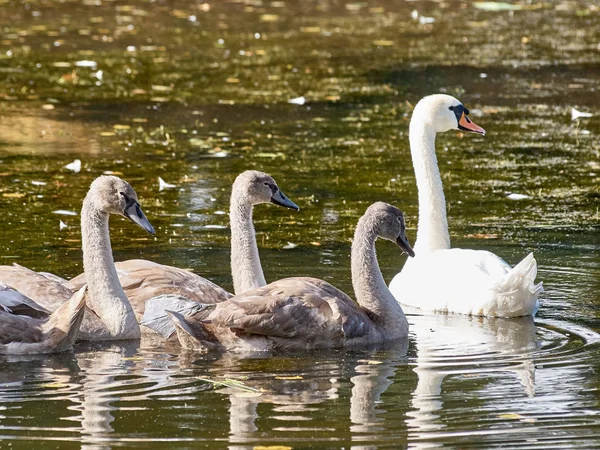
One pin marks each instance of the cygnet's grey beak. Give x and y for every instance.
(280, 199)
(403, 243)
(134, 213)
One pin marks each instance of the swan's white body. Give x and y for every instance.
(445, 280)
(474, 282)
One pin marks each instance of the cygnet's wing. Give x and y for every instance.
(41, 289)
(16, 303)
(143, 280)
(156, 317)
(304, 309)
(19, 328)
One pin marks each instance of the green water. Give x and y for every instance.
(195, 93)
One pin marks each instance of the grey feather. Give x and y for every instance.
(156, 318)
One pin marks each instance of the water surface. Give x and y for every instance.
(196, 93)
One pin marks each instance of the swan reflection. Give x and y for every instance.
(466, 346)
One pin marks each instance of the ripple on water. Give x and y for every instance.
(516, 382)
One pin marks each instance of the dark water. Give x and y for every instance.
(196, 93)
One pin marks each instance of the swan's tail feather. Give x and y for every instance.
(62, 327)
(517, 291)
(194, 335)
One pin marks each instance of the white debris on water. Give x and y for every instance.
(75, 166)
(162, 184)
(514, 196)
(86, 63)
(575, 114)
(65, 212)
(297, 101)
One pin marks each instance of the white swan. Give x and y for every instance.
(108, 314)
(441, 279)
(308, 313)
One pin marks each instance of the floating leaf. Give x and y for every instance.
(271, 447)
(159, 88)
(383, 43)
(269, 18)
(483, 236)
(13, 195)
(56, 385)
(235, 384)
(310, 29)
(511, 416)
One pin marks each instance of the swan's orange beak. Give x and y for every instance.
(465, 124)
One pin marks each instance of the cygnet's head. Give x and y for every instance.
(443, 113)
(388, 221)
(112, 195)
(258, 187)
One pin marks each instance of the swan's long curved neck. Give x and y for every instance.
(246, 270)
(106, 296)
(432, 233)
(370, 288)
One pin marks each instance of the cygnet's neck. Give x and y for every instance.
(106, 296)
(432, 233)
(370, 288)
(246, 270)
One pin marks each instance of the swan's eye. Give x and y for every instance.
(123, 194)
(451, 108)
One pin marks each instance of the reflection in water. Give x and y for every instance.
(470, 373)
(372, 380)
(466, 346)
(101, 369)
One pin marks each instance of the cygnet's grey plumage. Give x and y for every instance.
(144, 280)
(109, 314)
(23, 334)
(308, 313)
